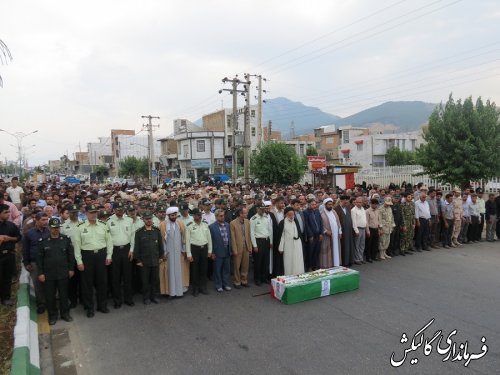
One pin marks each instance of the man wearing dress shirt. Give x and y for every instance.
(422, 216)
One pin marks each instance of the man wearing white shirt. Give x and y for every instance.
(422, 216)
(359, 225)
(16, 192)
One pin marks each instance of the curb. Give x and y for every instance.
(26, 355)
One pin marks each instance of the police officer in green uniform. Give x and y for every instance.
(93, 252)
(148, 251)
(68, 228)
(121, 229)
(198, 250)
(55, 264)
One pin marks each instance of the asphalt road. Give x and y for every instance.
(349, 333)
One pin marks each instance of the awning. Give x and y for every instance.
(347, 150)
(359, 141)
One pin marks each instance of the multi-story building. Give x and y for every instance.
(100, 151)
(327, 141)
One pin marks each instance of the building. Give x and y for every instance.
(169, 162)
(100, 153)
(327, 141)
(300, 147)
(358, 147)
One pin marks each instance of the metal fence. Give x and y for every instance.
(410, 174)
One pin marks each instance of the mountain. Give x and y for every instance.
(402, 116)
(282, 111)
(406, 116)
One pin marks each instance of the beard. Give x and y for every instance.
(329, 208)
(172, 219)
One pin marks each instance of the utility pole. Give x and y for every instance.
(151, 149)
(259, 108)
(234, 91)
(247, 142)
(269, 131)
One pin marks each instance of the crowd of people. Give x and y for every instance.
(92, 243)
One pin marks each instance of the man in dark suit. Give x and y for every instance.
(221, 249)
(314, 234)
(343, 210)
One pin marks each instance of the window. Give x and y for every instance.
(200, 146)
(347, 155)
(329, 141)
(252, 113)
(318, 145)
(403, 144)
(116, 140)
(185, 149)
(253, 131)
(229, 121)
(229, 141)
(392, 143)
(359, 147)
(413, 143)
(301, 149)
(345, 136)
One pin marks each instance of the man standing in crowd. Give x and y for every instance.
(221, 250)
(434, 224)
(31, 240)
(121, 229)
(395, 241)
(458, 212)
(372, 220)
(261, 235)
(491, 217)
(448, 221)
(408, 226)
(360, 228)
(422, 218)
(386, 226)
(314, 234)
(9, 236)
(93, 253)
(148, 251)
(68, 228)
(330, 246)
(16, 192)
(198, 250)
(241, 246)
(55, 264)
(343, 211)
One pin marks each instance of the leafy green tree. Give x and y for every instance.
(463, 142)
(277, 163)
(394, 156)
(132, 166)
(311, 151)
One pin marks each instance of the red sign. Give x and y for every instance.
(317, 164)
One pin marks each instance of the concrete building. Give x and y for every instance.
(327, 141)
(300, 147)
(368, 150)
(100, 151)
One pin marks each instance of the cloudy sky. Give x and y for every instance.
(80, 69)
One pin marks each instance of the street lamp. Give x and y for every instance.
(19, 137)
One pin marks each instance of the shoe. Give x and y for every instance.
(7, 302)
(90, 313)
(446, 247)
(104, 310)
(381, 258)
(147, 302)
(195, 293)
(40, 310)
(403, 254)
(453, 245)
(435, 246)
(418, 250)
(237, 286)
(220, 290)
(388, 257)
(376, 260)
(131, 303)
(67, 318)
(204, 291)
(117, 305)
(52, 321)
(426, 249)
(154, 300)
(369, 261)
(357, 262)
(245, 285)
(227, 288)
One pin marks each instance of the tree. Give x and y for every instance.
(5, 57)
(132, 166)
(311, 151)
(463, 142)
(277, 163)
(395, 156)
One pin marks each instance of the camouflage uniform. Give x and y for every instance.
(395, 244)
(408, 216)
(386, 223)
(458, 213)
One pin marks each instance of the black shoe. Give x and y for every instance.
(154, 300)
(131, 303)
(426, 249)
(237, 286)
(245, 285)
(40, 310)
(104, 310)
(67, 318)
(90, 313)
(369, 261)
(147, 302)
(204, 291)
(117, 305)
(52, 321)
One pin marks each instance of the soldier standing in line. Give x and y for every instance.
(148, 251)
(395, 243)
(93, 252)
(68, 228)
(408, 224)
(55, 264)
(386, 226)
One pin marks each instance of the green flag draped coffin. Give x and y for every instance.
(316, 284)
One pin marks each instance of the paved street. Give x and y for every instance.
(350, 333)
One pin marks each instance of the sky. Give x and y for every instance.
(80, 69)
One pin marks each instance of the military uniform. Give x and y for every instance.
(198, 246)
(261, 234)
(68, 228)
(148, 251)
(395, 244)
(458, 213)
(93, 248)
(386, 224)
(408, 216)
(55, 260)
(123, 237)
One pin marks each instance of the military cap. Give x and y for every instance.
(220, 201)
(184, 206)
(196, 211)
(73, 208)
(147, 215)
(54, 222)
(119, 206)
(91, 208)
(130, 207)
